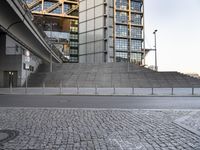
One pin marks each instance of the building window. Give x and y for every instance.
(121, 30)
(74, 23)
(74, 36)
(136, 32)
(17, 48)
(37, 8)
(136, 58)
(29, 1)
(136, 6)
(122, 4)
(73, 59)
(121, 44)
(66, 7)
(136, 45)
(73, 29)
(74, 51)
(136, 19)
(73, 44)
(48, 4)
(57, 10)
(31, 68)
(121, 57)
(121, 17)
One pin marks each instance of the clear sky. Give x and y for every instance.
(178, 36)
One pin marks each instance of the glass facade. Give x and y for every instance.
(136, 45)
(129, 33)
(136, 6)
(122, 4)
(37, 8)
(74, 41)
(136, 19)
(48, 4)
(136, 58)
(73, 36)
(121, 57)
(66, 7)
(116, 33)
(121, 17)
(122, 30)
(136, 32)
(57, 10)
(62, 31)
(121, 44)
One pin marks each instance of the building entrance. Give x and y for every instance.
(10, 78)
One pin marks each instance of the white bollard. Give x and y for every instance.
(77, 89)
(133, 90)
(43, 88)
(61, 88)
(114, 92)
(96, 92)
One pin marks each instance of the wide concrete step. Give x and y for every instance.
(108, 75)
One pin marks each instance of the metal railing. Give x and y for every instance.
(59, 89)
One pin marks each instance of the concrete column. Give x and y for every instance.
(51, 66)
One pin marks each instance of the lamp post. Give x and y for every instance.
(156, 66)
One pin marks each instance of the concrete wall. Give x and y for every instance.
(91, 31)
(12, 59)
(2, 51)
(8, 62)
(109, 31)
(34, 61)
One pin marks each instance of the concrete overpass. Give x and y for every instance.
(16, 20)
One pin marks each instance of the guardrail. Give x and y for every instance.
(60, 90)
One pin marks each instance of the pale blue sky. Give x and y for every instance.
(178, 36)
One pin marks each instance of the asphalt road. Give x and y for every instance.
(100, 102)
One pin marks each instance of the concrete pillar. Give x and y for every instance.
(51, 66)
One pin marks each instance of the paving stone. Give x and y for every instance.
(90, 129)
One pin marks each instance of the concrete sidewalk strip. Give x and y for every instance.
(4, 90)
(182, 91)
(72, 91)
(90, 91)
(143, 91)
(105, 91)
(162, 91)
(197, 91)
(55, 128)
(124, 91)
(35, 91)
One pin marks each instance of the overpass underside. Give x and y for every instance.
(23, 47)
(59, 20)
(16, 20)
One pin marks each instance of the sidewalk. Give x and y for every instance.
(96, 129)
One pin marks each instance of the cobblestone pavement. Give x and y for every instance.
(96, 129)
(190, 122)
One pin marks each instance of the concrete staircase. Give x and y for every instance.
(108, 75)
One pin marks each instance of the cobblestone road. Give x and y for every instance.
(96, 129)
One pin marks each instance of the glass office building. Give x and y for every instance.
(59, 20)
(111, 31)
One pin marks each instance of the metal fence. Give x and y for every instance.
(60, 90)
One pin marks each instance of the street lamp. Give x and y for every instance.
(156, 66)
